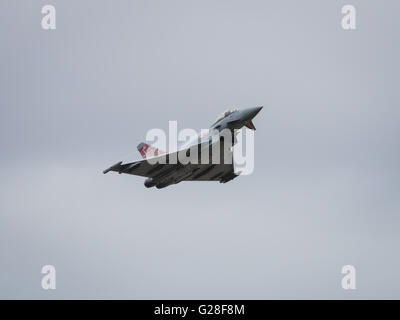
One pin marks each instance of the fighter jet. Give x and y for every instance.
(161, 169)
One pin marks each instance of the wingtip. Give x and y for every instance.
(117, 165)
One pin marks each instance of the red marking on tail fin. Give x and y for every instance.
(148, 151)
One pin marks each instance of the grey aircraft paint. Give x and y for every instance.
(166, 173)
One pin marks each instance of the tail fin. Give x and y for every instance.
(148, 151)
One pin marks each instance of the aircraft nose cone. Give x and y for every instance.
(250, 113)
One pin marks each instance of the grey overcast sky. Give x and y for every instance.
(325, 191)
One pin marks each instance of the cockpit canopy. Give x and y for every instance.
(225, 114)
